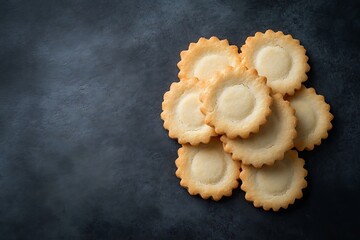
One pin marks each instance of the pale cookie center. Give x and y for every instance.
(267, 136)
(189, 110)
(274, 179)
(273, 62)
(208, 166)
(306, 118)
(236, 102)
(207, 66)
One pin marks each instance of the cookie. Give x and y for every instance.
(236, 102)
(207, 170)
(277, 186)
(181, 113)
(314, 118)
(278, 57)
(274, 138)
(206, 57)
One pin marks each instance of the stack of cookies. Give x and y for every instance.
(242, 115)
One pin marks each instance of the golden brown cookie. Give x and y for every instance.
(181, 113)
(277, 186)
(274, 138)
(236, 102)
(206, 57)
(207, 170)
(278, 57)
(314, 118)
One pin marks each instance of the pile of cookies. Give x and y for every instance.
(242, 115)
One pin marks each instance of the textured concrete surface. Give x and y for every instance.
(83, 154)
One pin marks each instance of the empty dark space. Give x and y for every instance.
(83, 154)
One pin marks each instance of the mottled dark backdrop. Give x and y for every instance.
(83, 154)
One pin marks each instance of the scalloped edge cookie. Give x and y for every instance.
(281, 122)
(320, 111)
(233, 115)
(205, 54)
(266, 50)
(267, 193)
(199, 172)
(178, 109)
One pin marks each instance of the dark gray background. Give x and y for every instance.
(83, 154)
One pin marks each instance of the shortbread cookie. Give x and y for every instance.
(206, 57)
(278, 57)
(274, 138)
(181, 113)
(276, 186)
(314, 118)
(236, 102)
(207, 170)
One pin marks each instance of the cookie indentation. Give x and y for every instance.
(273, 62)
(314, 118)
(189, 111)
(268, 136)
(307, 116)
(208, 166)
(208, 65)
(274, 180)
(236, 102)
